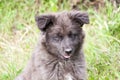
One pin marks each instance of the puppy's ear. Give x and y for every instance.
(80, 18)
(44, 21)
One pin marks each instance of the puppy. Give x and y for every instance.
(59, 54)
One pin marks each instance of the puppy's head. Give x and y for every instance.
(63, 32)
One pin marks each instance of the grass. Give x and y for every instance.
(17, 28)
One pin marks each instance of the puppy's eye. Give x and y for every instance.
(57, 38)
(73, 36)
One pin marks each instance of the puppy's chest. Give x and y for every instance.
(68, 76)
(55, 70)
(60, 71)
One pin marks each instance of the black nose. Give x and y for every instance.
(68, 51)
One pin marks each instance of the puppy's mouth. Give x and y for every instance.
(67, 56)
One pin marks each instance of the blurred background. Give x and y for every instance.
(19, 34)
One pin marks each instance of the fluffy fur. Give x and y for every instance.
(59, 54)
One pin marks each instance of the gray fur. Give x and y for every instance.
(61, 34)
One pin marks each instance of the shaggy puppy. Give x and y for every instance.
(58, 55)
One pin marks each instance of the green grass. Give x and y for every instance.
(19, 34)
